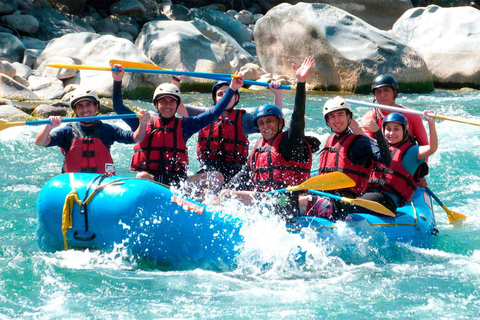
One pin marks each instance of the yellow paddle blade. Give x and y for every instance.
(136, 65)
(78, 67)
(472, 122)
(5, 124)
(454, 217)
(370, 205)
(328, 181)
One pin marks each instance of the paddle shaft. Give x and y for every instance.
(204, 75)
(410, 111)
(328, 195)
(83, 119)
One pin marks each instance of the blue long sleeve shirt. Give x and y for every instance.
(190, 125)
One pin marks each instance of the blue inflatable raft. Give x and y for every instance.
(83, 210)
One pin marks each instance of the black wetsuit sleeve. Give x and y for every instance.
(384, 155)
(120, 108)
(363, 151)
(293, 145)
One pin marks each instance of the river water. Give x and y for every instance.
(352, 278)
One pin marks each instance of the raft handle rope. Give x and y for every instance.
(72, 198)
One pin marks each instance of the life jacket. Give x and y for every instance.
(394, 178)
(271, 171)
(86, 153)
(163, 149)
(333, 157)
(224, 140)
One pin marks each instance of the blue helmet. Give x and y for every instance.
(267, 110)
(396, 117)
(217, 85)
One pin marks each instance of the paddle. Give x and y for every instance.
(370, 205)
(453, 217)
(328, 181)
(204, 75)
(420, 113)
(5, 124)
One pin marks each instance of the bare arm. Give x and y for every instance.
(277, 94)
(43, 137)
(428, 150)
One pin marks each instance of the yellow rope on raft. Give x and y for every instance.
(67, 220)
(71, 198)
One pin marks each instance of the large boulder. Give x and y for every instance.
(96, 50)
(448, 40)
(54, 24)
(11, 46)
(194, 46)
(348, 52)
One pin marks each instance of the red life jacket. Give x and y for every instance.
(86, 153)
(394, 179)
(333, 157)
(162, 150)
(271, 171)
(224, 139)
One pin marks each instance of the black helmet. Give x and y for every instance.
(217, 85)
(385, 80)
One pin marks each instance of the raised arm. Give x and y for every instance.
(117, 98)
(277, 93)
(428, 150)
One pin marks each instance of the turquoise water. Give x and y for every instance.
(346, 278)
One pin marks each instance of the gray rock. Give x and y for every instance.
(60, 74)
(97, 50)
(11, 89)
(250, 48)
(6, 30)
(12, 46)
(33, 43)
(106, 25)
(176, 12)
(45, 111)
(30, 57)
(378, 13)
(225, 22)
(125, 35)
(46, 87)
(245, 17)
(131, 8)
(54, 24)
(23, 107)
(448, 40)
(233, 13)
(348, 52)
(22, 23)
(90, 20)
(22, 70)
(252, 71)
(194, 46)
(8, 7)
(6, 68)
(129, 28)
(74, 6)
(21, 80)
(11, 113)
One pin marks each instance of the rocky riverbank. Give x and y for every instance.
(351, 42)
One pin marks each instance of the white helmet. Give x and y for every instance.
(167, 89)
(335, 104)
(83, 94)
